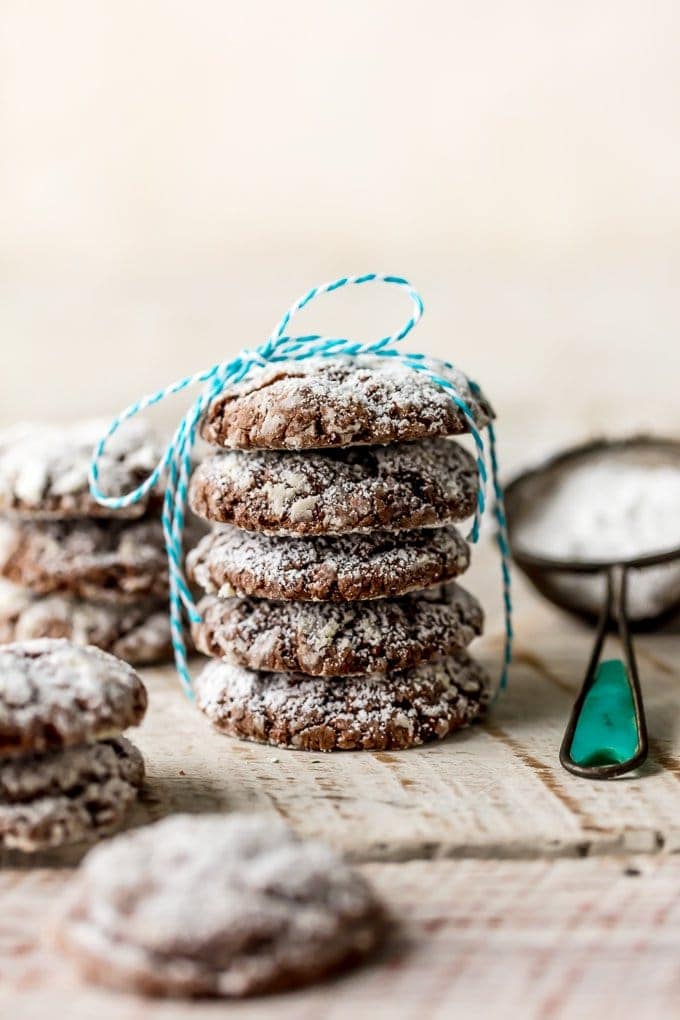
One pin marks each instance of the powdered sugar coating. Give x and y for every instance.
(312, 492)
(216, 905)
(121, 560)
(44, 468)
(340, 401)
(338, 639)
(138, 632)
(342, 568)
(68, 796)
(56, 694)
(385, 710)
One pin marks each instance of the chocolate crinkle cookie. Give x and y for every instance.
(119, 560)
(375, 713)
(340, 401)
(138, 632)
(67, 796)
(338, 639)
(216, 906)
(54, 694)
(342, 568)
(415, 485)
(44, 468)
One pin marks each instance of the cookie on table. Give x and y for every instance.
(341, 568)
(338, 639)
(384, 711)
(216, 905)
(138, 632)
(69, 796)
(99, 560)
(340, 401)
(311, 492)
(44, 468)
(54, 694)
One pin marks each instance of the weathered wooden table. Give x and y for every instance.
(516, 889)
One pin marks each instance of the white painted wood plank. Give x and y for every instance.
(545, 940)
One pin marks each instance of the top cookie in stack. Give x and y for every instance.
(68, 568)
(329, 573)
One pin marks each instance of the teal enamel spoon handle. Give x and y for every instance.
(607, 732)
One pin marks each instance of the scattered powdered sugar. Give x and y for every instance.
(48, 775)
(13, 600)
(44, 468)
(420, 484)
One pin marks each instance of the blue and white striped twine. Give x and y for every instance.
(176, 459)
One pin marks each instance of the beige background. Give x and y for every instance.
(174, 173)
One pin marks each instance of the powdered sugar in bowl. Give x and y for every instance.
(596, 505)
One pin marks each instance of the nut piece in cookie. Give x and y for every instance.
(312, 492)
(55, 694)
(385, 711)
(338, 639)
(138, 632)
(216, 906)
(69, 796)
(340, 401)
(341, 568)
(44, 468)
(99, 560)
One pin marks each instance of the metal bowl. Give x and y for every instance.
(579, 586)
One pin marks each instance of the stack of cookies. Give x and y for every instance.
(331, 608)
(66, 776)
(68, 568)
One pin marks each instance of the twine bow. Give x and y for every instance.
(280, 347)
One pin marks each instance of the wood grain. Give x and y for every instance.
(542, 940)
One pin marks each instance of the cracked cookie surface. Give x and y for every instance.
(338, 639)
(68, 796)
(55, 694)
(341, 401)
(413, 485)
(138, 632)
(275, 912)
(44, 468)
(98, 560)
(342, 568)
(384, 711)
